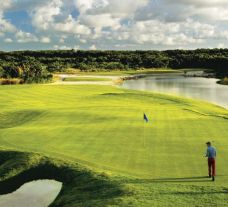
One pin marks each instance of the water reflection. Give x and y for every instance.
(198, 88)
(39, 193)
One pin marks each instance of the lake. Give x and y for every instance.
(192, 87)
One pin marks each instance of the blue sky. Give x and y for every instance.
(113, 24)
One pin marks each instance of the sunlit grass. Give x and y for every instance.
(72, 79)
(102, 128)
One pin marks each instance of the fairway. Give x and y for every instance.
(102, 129)
(71, 79)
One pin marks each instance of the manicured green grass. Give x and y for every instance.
(70, 79)
(160, 163)
(123, 72)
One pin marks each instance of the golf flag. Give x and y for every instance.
(145, 118)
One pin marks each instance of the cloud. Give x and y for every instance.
(100, 21)
(108, 24)
(118, 7)
(201, 3)
(25, 37)
(180, 10)
(93, 47)
(45, 40)
(43, 16)
(221, 45)
(6, 4)
(65, 47)
(156, 32)
(54, 20)
(5, 26)
(61, 47)
(99, 14)
(8, 40)
(70, 25)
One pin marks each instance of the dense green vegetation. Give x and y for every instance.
(126, 162)
(57, 61)
(25, 70)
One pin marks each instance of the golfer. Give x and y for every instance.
(211, 155)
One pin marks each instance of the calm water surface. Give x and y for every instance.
(198, 88)
(40, 193)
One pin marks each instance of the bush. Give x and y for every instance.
(34, 71)
(225, 81)
(1, 72)
(71, 71)
(11, 81)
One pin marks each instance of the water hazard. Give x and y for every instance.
(192, 87)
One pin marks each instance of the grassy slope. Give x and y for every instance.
(86, 79)
(101, 127)
(123, 72)
(80, 186)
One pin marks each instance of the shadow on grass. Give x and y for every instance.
(184, 179)
(195, 179)
(80, 186)
(225, 191)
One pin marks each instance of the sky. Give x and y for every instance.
(113, 24)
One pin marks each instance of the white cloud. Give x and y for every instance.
(25, 37)
(214, 14)
(6, 4)
(160, 33)
(118, 7)
(62, 39)
(70, 25)
(180, 10)
(119, 23)
(83, 5)
(83, 41)
(93, 47)
(201, 3)
(8, 40)
(5, 26)
(61, 47)
(221, 45)
(65, 47)
(101, 20)
(76, 47)
(48, 21)
(43, 16)
(45, 40)
(99, 14)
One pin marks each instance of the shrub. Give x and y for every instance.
(10, 81)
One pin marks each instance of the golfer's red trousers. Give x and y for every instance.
(211, 166)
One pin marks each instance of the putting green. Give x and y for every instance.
(102, 127)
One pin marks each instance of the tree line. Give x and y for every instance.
(26, 70)
(37, 66)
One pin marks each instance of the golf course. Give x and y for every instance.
(93, 139)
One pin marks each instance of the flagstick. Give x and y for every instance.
(145, 119)
(144, 134)
(144, 127)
